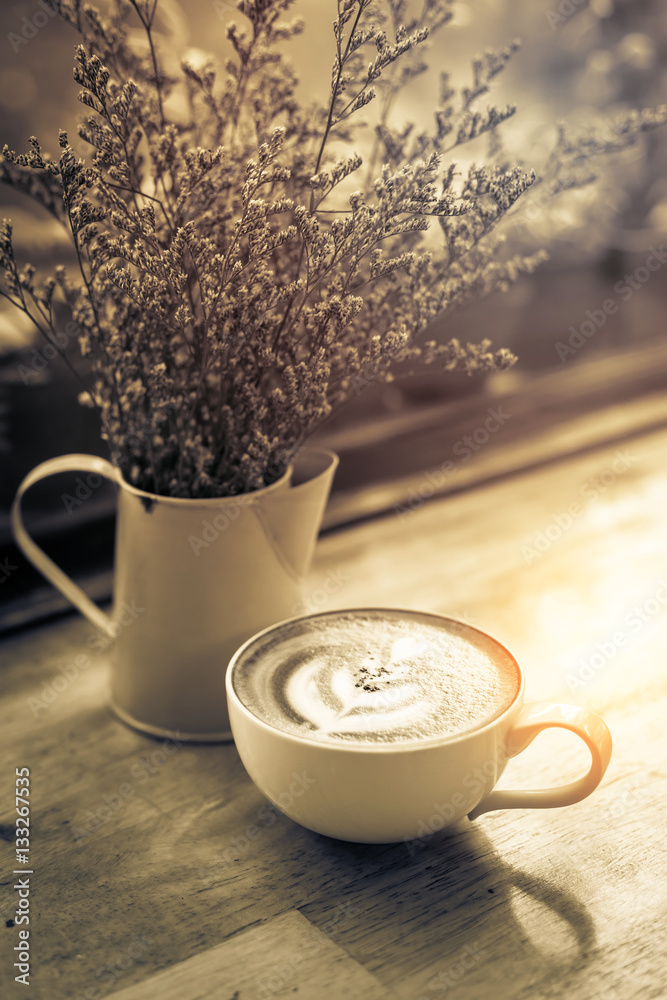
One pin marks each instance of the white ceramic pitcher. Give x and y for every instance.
(193, 580)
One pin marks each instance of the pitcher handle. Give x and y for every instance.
(39, 559)
(532, 719)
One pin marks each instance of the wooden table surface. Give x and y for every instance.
(160, 872)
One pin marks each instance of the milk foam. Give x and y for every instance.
(375, 677)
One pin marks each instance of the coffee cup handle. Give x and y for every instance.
(39, 559)
(532, 719)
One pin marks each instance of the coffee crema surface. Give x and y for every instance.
(375, 677)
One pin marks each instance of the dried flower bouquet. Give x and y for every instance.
(242, 269)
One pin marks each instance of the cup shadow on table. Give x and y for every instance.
(405, 911)
(452, 896)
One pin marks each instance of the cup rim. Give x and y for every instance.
(352, 747)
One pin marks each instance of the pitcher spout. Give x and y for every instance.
(293, 517)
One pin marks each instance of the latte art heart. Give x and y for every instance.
(375, 677)
(332, 701)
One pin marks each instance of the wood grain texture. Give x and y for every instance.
(266, 962)
(149, 855)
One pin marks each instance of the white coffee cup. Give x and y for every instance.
(385, 792)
